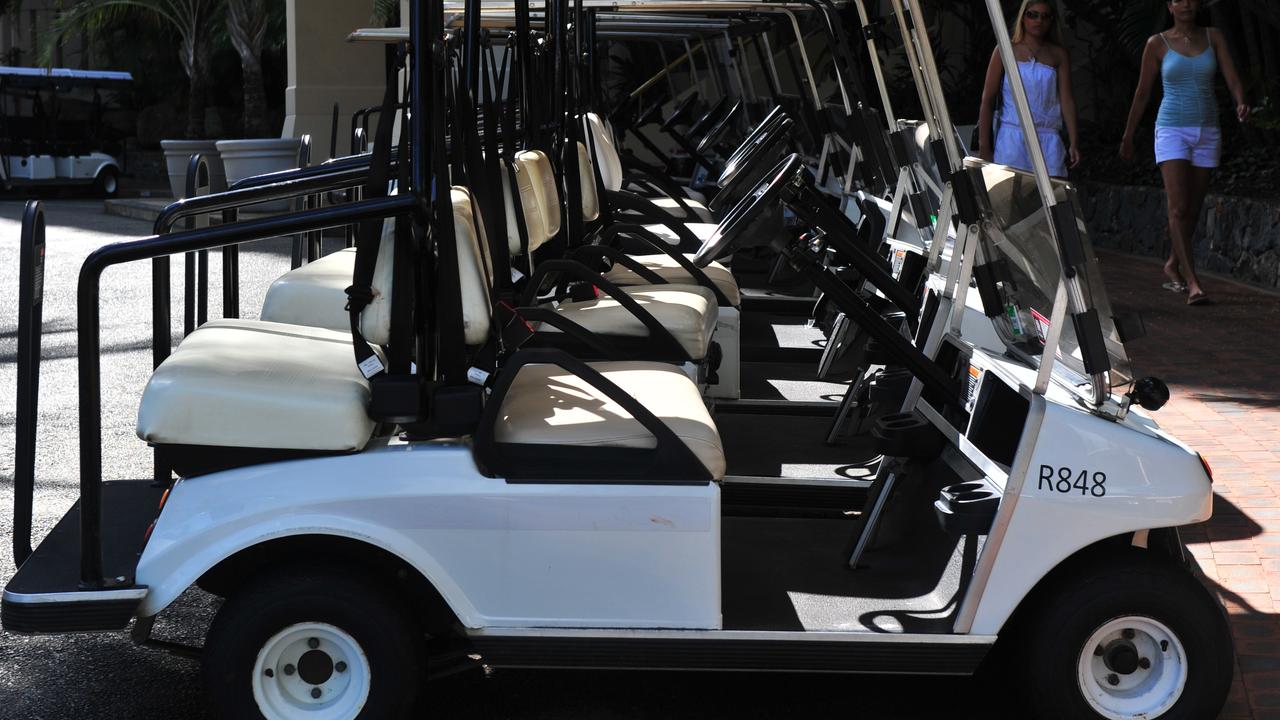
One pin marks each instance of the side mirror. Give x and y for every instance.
(1150, 392)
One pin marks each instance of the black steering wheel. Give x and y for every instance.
(773, 118)
(648, 115)
(678, 115)
(736, 225)
(713, 135)
(698, 128)
(751, 164)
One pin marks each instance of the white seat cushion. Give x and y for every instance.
(700, 212)
(542, 178)
(611, 172)
(315, 294)
(689, 312)
(587, 183)
(254, 384)
(702, 231)
(547, 405)
(668, 269)
(691, 193)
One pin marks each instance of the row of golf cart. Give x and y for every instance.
(733, 370)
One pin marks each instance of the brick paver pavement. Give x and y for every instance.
(1222, 364)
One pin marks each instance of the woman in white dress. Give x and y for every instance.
(1046, 75)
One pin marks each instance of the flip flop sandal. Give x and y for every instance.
(1174, 286)
(1198, 299)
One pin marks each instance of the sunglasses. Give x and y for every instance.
(1038, 14)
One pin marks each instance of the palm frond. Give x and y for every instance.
(1137, 21)
(386, 13)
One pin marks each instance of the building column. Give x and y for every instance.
(324, 68)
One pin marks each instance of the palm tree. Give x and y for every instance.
(189, 18)
(247, 28)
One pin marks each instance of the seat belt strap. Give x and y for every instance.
(369, 238)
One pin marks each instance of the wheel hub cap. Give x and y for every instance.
(311, 670)
(1122, 657)
(1132, 667)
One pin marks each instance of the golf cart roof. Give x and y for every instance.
(502, 13)
(62, 77)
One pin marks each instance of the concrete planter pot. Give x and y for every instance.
(247, 158)
(177, 153)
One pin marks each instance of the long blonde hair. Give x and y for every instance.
(1055, 30)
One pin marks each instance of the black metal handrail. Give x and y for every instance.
(312, 244)
(238, 197)
(30, 311)
(228, 202)
(323, 169)
(88, 331)
(195, 289)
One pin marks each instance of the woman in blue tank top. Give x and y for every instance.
(1045, 68)
(1187, 58)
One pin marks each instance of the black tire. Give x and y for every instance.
(391, 640)
(1139, 584)
(107, 184)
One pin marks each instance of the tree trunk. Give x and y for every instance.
(196, 86)
(247, 28)
(255, 97)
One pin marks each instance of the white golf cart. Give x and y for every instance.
(39, 147)
(579, 522)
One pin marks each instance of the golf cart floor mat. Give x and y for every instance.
(792, 446)
(773, 337)
(788, 381)
(792, 574)
(128, 507)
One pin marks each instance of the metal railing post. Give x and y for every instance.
(195, 291)
(30, 315)
(315, 238)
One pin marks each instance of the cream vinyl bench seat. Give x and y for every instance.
(239, 392)
(315, 294)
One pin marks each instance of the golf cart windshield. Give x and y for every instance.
(1018, 244)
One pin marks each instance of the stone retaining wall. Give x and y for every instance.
(1236, 236)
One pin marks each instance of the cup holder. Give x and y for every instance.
(971, 498)
(951, 491)
(907, 435)
(967, 508)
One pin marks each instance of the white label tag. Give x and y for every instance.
(899, 257)
(516, 275)
(477, 376)
(971, 388)
(370, 366)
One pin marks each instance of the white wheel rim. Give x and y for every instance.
(109, 183)
(305, 658)
(1143, 692)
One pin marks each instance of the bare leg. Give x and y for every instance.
(1195, 207)
(1171, 265)
(1178, 185)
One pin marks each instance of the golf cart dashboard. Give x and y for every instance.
(986, 422)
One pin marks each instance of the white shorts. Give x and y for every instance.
(1200, 145)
